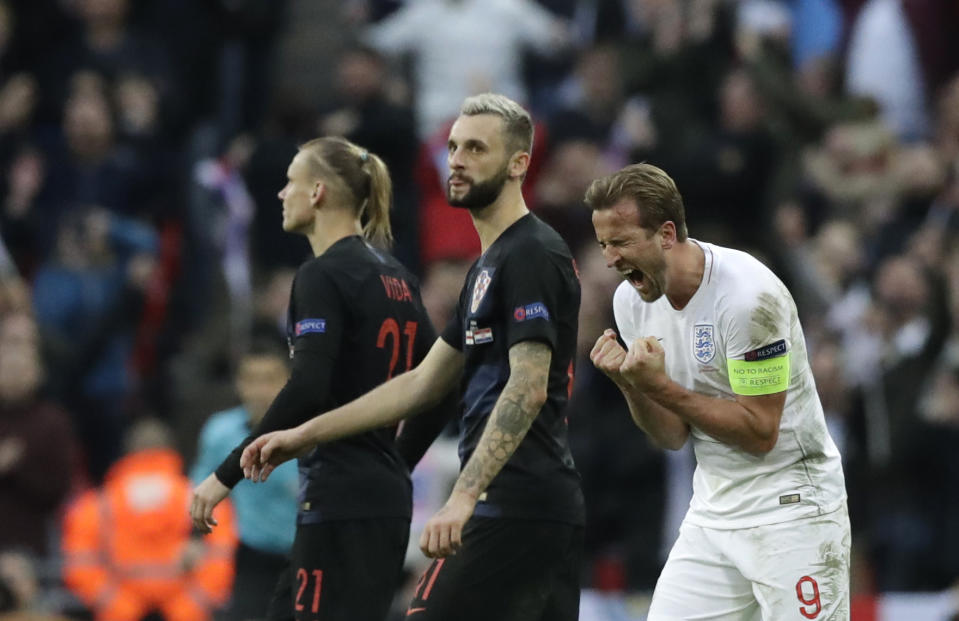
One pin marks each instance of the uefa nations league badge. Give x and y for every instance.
(704, 346)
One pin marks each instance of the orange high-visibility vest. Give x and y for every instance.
(127, 545)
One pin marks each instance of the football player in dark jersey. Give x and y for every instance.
(355, 321)
(508, 541)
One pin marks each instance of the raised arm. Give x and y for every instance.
(403, 396)
(750, 423)
(516, 408)
(664, 428)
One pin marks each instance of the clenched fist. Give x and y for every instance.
(642, 367)
(645, 364)
(608, 356)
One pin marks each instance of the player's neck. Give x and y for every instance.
(491, 221)
(685, 273)
(328, 229)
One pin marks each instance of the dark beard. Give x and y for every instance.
(481, 194)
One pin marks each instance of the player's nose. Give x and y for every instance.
(455, 159)
(612, 257)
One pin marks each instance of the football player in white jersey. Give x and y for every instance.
(716, 353)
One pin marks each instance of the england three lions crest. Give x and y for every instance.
(480, 287)
(704, 346)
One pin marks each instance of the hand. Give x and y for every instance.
(608, 356)
(645, 364)
(206, 497)
(264, 454)
(443, 534)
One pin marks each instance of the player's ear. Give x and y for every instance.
(668, 234)
(518, 164)
(319, 191)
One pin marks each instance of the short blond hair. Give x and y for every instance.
(517, 123)
(654, 192)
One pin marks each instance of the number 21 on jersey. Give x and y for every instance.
(390, 330)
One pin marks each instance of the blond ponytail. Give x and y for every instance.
(376, 216)
(361, 179)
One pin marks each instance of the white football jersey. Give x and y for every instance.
(743, 320)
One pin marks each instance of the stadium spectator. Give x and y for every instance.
(129, 547)
(97, 279)
(265, 514)
(37, 451)
(474, 46)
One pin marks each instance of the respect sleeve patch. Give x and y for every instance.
(308, 326)
(769, 351)
(763, 371)
(536, 310)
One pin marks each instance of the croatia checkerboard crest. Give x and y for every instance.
(479, 289)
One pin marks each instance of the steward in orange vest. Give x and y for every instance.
(129, 548)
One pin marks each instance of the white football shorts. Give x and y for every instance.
(797, 570)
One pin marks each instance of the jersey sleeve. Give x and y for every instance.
(317, 315)
(754, 327)
(453, 332)
(317, 312)
(533, 288)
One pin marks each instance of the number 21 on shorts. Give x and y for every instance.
(807, 590)
(304, 578)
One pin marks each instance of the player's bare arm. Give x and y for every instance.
(403, 396)
(750, 423)
(516, 408)
(664, 428)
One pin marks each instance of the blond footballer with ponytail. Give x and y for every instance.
(353, 311)
(356, 179)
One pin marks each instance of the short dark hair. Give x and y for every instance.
(265, 340)
(654, 192)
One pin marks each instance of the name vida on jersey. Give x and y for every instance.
(396, 288)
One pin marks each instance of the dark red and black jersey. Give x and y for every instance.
(355, 320)
(524, 287)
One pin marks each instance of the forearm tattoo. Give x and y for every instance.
(514, 412)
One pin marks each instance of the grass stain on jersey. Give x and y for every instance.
(765, 320)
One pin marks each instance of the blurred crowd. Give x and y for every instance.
(142, 145)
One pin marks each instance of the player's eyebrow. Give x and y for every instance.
(468, 143)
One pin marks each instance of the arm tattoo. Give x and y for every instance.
(514, 412)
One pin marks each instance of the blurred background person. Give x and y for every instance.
(129, 548)
(368, 111)
(265, 514)
(20, 589)
(473, 47)
(37, 449)
(97, 278)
